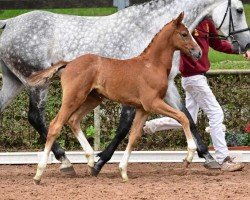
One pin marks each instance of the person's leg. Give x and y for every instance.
(161, 124)
(198, 88)
(192, 106)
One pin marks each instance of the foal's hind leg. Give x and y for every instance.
(72, 100)
(74, 122)
(36, 117)
(136, 132)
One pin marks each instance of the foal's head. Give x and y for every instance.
(183, 40)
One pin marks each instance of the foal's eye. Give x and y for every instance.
(239, 10)
(184, 34)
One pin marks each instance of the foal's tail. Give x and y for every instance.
(42, 77)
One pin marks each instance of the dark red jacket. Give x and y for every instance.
(189, 67)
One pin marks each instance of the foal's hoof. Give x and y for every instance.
(124, 175)
(125, 180)
(212, 165)
(186, 163)
(37, 182)
(69, 171)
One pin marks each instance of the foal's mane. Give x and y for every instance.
(150, 44)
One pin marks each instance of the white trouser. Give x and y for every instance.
(199, 95)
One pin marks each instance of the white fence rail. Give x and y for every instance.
(136, 157)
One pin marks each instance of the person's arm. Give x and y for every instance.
(218, 44)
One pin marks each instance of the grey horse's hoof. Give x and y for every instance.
(212, 165)
(98, 167)
(69, 171)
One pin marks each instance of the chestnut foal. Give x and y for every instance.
(140, 81)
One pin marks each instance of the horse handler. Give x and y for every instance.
(199, 94)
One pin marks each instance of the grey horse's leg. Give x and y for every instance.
(125, 123)
(36, 118)
(11, 87)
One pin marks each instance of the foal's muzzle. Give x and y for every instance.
(196, 53)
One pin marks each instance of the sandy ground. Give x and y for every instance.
(168, 181)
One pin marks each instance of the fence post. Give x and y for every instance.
(121, 4)
(97, 126)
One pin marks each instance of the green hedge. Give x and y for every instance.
(232, 91)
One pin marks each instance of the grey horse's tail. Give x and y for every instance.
(42, 77)
(3, 23)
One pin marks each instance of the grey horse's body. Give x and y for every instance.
(34, 41)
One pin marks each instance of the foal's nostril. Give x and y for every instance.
(199, 54)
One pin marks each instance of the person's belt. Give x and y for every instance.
(203, 74)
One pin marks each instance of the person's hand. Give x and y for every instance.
(247, 55)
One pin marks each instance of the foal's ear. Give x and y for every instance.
(179, 19)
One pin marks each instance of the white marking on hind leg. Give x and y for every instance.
(42, 165)
(89, 152)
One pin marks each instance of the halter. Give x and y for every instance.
(232, 31)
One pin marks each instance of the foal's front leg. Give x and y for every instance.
(202, 149)
(174, 100)
(160, 107)
(136, 132)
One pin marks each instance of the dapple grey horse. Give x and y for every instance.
(36, 40)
